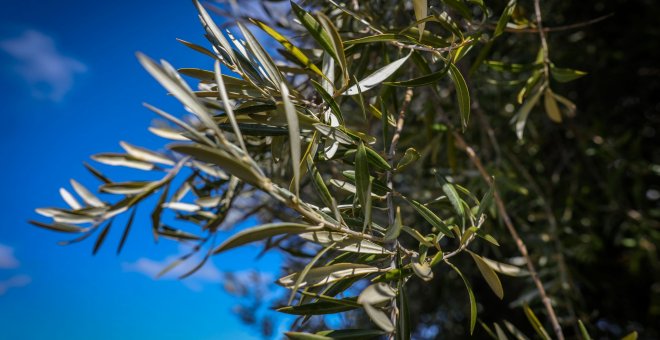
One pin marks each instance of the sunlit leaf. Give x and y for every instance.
(462, 94)
(323, 275)
(489, 275)
(261, 232)
(504, 18)
(145, 155)
(565, 75)
(536, 324)
(294, 135)
(377, 77)
(420, 8)
(430, 217)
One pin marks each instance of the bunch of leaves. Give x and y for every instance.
(346, 148)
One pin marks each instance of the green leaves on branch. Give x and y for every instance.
(376, 78)
(261, 233)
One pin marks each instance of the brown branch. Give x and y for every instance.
(522, 248)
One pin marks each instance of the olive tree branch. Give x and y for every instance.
(522, 248)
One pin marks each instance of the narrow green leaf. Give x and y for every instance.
(352, 334)
(486, 200)
(328, 274)
(319, 184)
(229, 111)
(127, 230)
(564, 75)
(126, 188)
(61, 227)
(260, 233)
(421, 10)
(583, 331)
(504, 18)
(198, 137)
(69, 199)
(386, 37)
(394, 230)
(427, 79)
(430, 217)
(224, 160)
(377, 77)
(96, 173)
(145, 155)
(86, 195)
(362, 180)
(294, 135)
(337, 44)
(462, 94)
(631, 336)
(523, 113)
(101, 238)
(321, 307)
(551, 107)
(301, 276)
(536, 324)
(403, 322)
(215, 33)
(489, 275)
(452, 195)
(473, 301)
(329, 100)
(295, 51)
(117, 159)
(316, 30)
(343, 242)
(261, 55)
(180, 90)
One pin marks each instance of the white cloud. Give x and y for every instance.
(16, 281)
(208, 273)
(7, 259)
(49, 73)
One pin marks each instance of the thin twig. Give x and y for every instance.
(544, 41)
(394, 245)
(522, 248)
(556, 28)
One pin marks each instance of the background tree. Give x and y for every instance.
(370, 147)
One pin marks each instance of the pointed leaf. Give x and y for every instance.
(260, 233)
(294, 135)
(536, 324)
(324, 275)
(430, 217)
(69, 199)
(462, 94)
(489, 275)
(473, 301)
(551, 107)
(377, 77)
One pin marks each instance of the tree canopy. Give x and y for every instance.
(429, 168)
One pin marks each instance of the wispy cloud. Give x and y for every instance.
(7, 258)
(9, 261)
(49, 73)
(16, 281)
(208, 274)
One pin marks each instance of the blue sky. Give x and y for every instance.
(70, 86)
